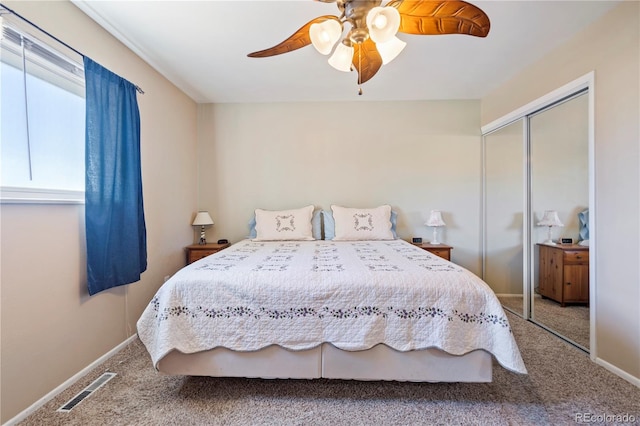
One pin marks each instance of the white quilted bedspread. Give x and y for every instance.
(353, 295)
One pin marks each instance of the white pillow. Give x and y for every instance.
(275, 225)
(316, 225)
(362, 224)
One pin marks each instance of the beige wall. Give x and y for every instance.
(50, 328)
(611, 48)
(416, 156)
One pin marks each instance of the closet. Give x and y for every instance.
(539, 160)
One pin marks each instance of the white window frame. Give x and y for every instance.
(25, 195)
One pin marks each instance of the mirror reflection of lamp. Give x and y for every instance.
(435, 220)
(202, 219)
(550, 219)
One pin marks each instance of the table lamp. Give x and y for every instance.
(550, 219)
(202, 219)
(435, 220)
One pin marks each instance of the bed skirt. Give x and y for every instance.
(326, 361)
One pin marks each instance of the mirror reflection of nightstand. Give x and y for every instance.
(564, 273)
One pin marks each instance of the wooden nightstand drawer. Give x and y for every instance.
(199, 251)
(576, 256)
(441, 250)
(199, 254)
(443, 253)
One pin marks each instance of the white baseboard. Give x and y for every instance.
(48, 397)
(509, 295)
(618, 372)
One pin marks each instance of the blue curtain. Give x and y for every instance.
(114, 213)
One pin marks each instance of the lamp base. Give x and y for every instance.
(203, 240)
(435, 241)
(548, 241)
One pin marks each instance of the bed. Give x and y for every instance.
(380, 309)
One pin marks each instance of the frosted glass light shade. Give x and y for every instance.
(390, 49)
(202, 219)
(342, 57)
(324, 35)
(383, 23)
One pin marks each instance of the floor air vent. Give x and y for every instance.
(97, 383)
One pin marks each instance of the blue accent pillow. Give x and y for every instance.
(583, 219)
(330, 224)
(316, 226)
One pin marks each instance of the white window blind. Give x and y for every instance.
(42, 118)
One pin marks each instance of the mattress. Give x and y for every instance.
(354, 295)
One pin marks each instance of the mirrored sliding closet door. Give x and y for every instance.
(536, 198)
(559, 161)
(504, 206)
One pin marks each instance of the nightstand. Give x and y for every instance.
(198, 251)
(442, 250)
(563, 273)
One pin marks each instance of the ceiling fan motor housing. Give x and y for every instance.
(355, 11)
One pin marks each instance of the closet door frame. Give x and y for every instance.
(587, 82)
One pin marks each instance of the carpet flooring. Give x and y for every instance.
(571, 321)
(562, 383)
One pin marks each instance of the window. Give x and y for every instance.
(42, 119)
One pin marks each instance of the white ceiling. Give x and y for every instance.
(202, 46)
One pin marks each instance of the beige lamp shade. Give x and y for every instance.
(202, 219)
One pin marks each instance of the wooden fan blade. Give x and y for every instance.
(425, 17)
(299, 39)
(369, 63)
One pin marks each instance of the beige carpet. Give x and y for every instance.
(571, 321)
(561, 383)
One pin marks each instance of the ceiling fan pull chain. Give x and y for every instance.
(359, 69)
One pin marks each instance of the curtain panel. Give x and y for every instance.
(114, 211)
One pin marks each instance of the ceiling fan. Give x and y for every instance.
(371, 42)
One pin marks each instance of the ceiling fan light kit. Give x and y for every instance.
(371, 42)
(390, 49)
(382, 23)
(324, 35)
(341, 58)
